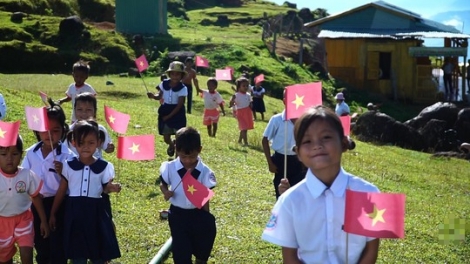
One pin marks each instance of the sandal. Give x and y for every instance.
(170, 150)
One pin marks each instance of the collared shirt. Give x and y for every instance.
(310, 216)
(211, 100)
(242, 100)
(275, 132)
(73, 91)
(99, 150)
(3, 107)
(172, 172)
(170, 96)
(87, 180)
(44, 167)
(257, 92)
(342, 108)
(16, 191)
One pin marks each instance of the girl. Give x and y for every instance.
(312, 211)
(212, 99)
(258, 102)
(171, 114)
(42, 158)
(242, 100)
(18, 188)
(88, 228)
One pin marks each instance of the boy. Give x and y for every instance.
(80, 71)
(189, 80)
(276, 132)
(193, 230)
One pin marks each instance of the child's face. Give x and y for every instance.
(321, 147)
(79, 77)
(211, 86)
(175, 76)
(87, 146)
(10, 158)
(244, 87)
(56, 133)
(188, 160)
(84, 110)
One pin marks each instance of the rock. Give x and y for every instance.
(17, 17)
(181, 55)
(462, 125)
(109, 83)
(440, 111)
(71, 26)
(432, 133)
(449, 141)
(290, 5)
(133, 72)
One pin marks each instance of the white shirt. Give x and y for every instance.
(99, 151)
(3, 107)
(310, 217)
(275, 132)
(242, 100)
(16, 191)
(211, 100)
(257, 93)
(44, 167)
(171, 97)
(173, 171)
(73, 91)
(87, 180)
(342, 108)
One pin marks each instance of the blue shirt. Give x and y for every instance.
(276, 131)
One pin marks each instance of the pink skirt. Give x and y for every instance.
(211, 116)
(245, 118)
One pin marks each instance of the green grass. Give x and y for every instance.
(436, 189)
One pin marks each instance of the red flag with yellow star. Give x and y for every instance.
(136, 147)
(141, 63)
(223, 75)
(37, 118)
(299, 97)
(346, 122)
(380, 215)
(196, 192)
(202, 62)
(9, 133)
(116, 120)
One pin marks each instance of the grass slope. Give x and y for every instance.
(436, 189)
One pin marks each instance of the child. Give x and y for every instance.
(162, 78)
(276, 133)
(80, 71)
(242, 100)
(3, 107)
(307, 219)
(88, 228)
(193, 230)
(188, 81)
(18, 188)
(85, 109)
(212, 99)
(342, 109)
(258, 102)
(171, 114)
(42, 158)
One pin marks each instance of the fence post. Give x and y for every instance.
(274, 43)
(301, 52)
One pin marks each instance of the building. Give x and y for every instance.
(146, 17)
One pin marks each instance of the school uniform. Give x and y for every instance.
(170, 101)
(258, 102)
(276, 132)
(50, 249)
(211, 103)
(73, 91)
(3, 107)
(16, 219)
(310, 217)
(99, 151)
(193, 230)
(244, 114)
(88, 229)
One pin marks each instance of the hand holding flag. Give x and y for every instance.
(300, 97)
(37, 118)
(196, 192)
(9, 133)
(116, 120)
(136, 147)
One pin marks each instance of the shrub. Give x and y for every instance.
(8, 34)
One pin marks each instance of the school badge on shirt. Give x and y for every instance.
(272, 222)
(20, 187)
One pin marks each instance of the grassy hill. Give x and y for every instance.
(436, 189)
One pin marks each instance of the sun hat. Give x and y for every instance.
(370, 105)
(339, 96)
(176, 66)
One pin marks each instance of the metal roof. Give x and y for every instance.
(382, 20)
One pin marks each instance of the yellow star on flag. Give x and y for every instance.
(2, 133)
(299, 100)
(191, 189)
(141, 64)
(111, 119)
(35, 119)
(377, 215)
(134, 148)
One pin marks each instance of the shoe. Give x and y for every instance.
(170, 151)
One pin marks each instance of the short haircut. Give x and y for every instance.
(188, 140)
(86, 97)
(81, 66)
(213, 80)
(19, 144)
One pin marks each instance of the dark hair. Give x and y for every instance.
(187, 140)
(189, 59)
(19, 144)
(55, 112)
(88, 98)
(313, 114)
(82, 129)
(213, 80)
(82, 66)
(163, 77)
(241, 80)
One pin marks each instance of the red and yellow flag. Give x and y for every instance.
(202, 62)
(136, 147)
(223, 74)
(116, 120)
(37, 118)
(141, 63)
(346, 122)
(196, 192)
(299, 97)
(9, 133)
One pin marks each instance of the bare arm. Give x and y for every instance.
(195, 81)
(59, 197)
(222, 108)
(64, 100)
(267, 155)
(289, 256)
(156, 96)
(37, 202)
(370, 253)
(232, 101)
(166, 193)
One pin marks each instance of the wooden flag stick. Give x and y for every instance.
(145, 85)
(285, 148)
(347, 247)
(52, 146)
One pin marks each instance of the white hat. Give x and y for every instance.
(370, 105)
(339, 96)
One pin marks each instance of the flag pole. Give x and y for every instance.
(347, 247)
(285, 148)
(52, 146)
(145, 85)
